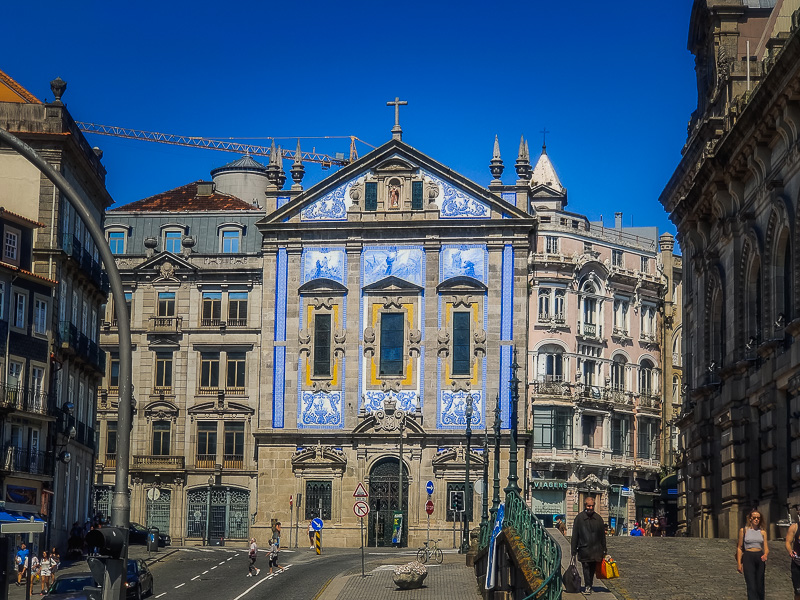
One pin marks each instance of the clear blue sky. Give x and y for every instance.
(612, 81)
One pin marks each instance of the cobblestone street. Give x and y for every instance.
(690, 569)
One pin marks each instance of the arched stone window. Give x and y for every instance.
(551, 364)
(755, 307)
(618, 373)
(647, 383)
(783, 279)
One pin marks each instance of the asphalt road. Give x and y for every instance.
(221, 574)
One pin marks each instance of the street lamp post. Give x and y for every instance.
(467, 495)
(485, 495)
(113, 587)
(513, 384)
(208, 511)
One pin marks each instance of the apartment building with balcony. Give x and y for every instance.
(62, 252)
(26, 468)
(191, 266)
(595, 346)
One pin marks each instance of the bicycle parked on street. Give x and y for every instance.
(431, 549)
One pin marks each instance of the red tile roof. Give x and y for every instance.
(26, 274)
(6, 79)
(185, 199)
(18, 217)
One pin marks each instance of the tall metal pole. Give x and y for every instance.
(485, 495)
(121, 503)
(512, 413)
(496, 495)
(467, 495)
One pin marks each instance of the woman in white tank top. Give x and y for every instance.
(751, 555)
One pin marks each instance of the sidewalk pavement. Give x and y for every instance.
(452, 580)
(16, 592)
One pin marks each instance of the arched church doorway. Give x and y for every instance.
(384, 502)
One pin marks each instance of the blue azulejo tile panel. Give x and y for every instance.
(511, 198)
(506, 351)
(282, 200)
(507, 303)
(278, 385)
(455, 203)
(406, 400)
(320, 410)
(280, 296)
(465, 260)
(452, 409)
(403, 262)
(332, 206)
(324, 263)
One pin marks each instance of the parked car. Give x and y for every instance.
(140, 579)
(70, 586)
(138, 535)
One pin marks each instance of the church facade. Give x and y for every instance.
(398, 291)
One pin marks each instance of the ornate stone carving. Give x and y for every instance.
(390, 302)
(320, 303)
(390, 418)
(339, 339)
(443, 342)
(369, 342)
(414, 341)
(304, 339)
(479, 342)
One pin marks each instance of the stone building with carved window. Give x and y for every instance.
(397, 290)
(63, 251)
(734, 199)
(595, 368)
(190, 260)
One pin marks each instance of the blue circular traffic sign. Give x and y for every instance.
(429, 487)
(317, 524)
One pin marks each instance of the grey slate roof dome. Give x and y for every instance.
(246, 163)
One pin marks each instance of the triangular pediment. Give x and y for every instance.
(229, 408)
(454, 459)
(157, 262)
(316, 286)
(447, 195)
(461, 283)
(163, 343)
(392, 283)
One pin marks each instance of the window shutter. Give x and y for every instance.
(416, 195)
(371, 196)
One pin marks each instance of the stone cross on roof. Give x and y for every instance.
(397, 133)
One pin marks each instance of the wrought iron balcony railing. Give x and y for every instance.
(236, 322)
(24, 460)
(24, 399)
(157, 462)
(165, 324)
(111, 460)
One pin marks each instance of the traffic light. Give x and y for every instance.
(457, 501)
(109, 541)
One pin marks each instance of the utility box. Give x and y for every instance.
(152, 539)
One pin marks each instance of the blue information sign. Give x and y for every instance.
(317, 524)
(429, 487)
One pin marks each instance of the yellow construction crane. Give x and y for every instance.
(226, 145)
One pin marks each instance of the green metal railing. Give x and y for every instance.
(543, 551)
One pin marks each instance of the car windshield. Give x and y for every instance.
(137, 527)
(132, 570)
(65, 585)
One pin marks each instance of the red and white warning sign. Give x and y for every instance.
(360, 492)
(361, 509)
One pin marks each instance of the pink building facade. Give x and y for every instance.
(594, 366)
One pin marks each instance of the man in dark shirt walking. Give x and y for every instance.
(589, 542)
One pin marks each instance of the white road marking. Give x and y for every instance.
(201, 550)
(189, 550)
(195, 577)
(223, 562)
(204, 572)
(231, 558)
(161, 594)
(181, 585)
(214, 567)
(248, 590)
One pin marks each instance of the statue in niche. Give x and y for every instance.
(394, 197)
